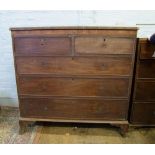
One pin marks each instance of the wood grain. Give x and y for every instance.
(74, 74)
(143, 101)
(90, 109)
(103, 45)
(42, 46)
(73, 86)
(115, 32)
(98, 66)
(143, 113)
(145, 90)
(146, 69)
(146, 50)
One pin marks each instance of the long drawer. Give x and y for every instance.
(119, 66)
(82, 109)
(143, 113)
(103, 45)
(146, 68)
(57, 86)
(39, 46)
(145, 90)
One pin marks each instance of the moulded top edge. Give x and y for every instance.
(72, 28)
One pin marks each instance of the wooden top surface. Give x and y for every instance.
(73, 28)
(143, 40)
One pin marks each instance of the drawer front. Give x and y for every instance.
(101, 45)
(41, 46)
(143, 113)
(145, 90)
(147, 50)
(74, 66)
(83, 109)
(146, 69)
(73, 86)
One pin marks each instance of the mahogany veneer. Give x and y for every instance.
(143, 107)
(74, 74)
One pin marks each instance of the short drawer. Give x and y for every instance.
(143, 113)
(146, 69)
(56, 86)
(101, 45)
(41, 46)
(147, 50)
(145, 90)
(70, 109)
(75, 65)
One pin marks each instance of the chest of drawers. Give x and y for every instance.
(143, 108)
(74, 74)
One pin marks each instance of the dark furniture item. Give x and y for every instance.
(143, 108)
(152, 39)
(74, 74)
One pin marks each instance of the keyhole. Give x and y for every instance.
(44, 64)
(43, 87)
(104, 42)
(42, 41)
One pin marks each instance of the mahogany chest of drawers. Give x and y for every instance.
(74, 74)
(143, 108)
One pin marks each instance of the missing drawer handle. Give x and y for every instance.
(43, 87)
(104, 45)
(103, 66)
(102, 88)
(44, 64)
(42, 41)
(45, 108)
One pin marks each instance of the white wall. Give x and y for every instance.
(8, 94)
